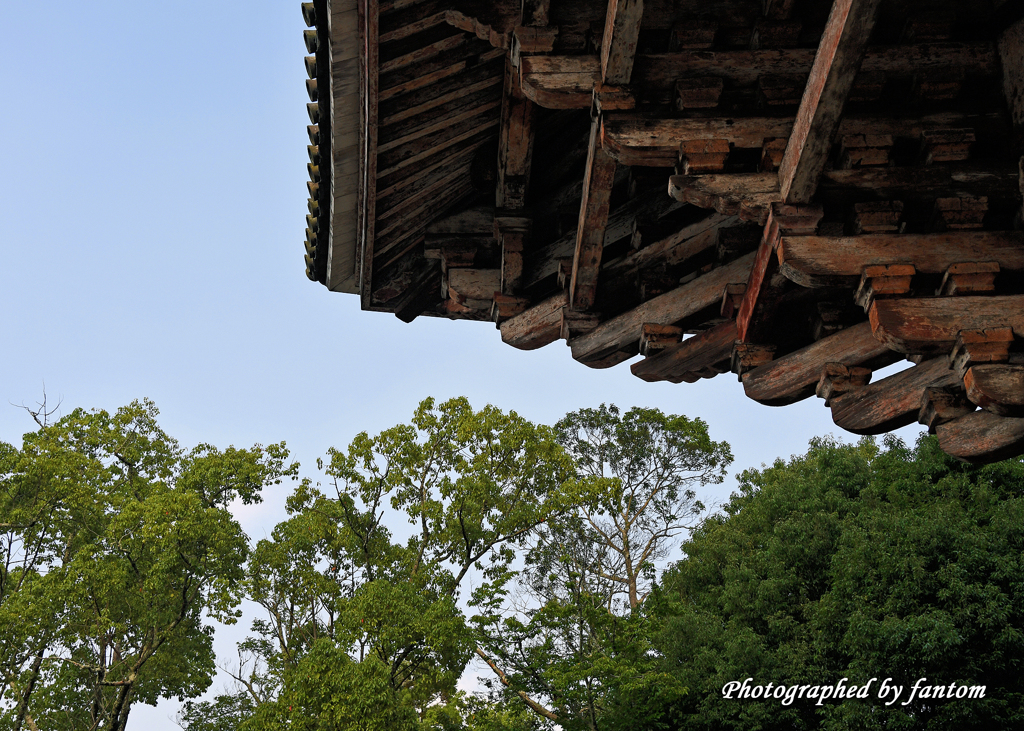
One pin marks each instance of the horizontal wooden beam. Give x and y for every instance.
(931, 325)
(997, 388)
(567, 82)
(892, 402)
(982, 437)
(623, 331)
(537, 326)
(838, 261)
(683, 361)
(793, 377)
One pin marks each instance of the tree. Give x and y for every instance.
(860, 563)
(115, 544)
(576, 644)
(362, 627)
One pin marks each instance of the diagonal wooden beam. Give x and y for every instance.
(515, 143)
(621, 29)
(835, 67)
(982, 437)
(683, 361)
(597, 188)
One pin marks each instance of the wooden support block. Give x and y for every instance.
(771, 154)
(963, 213)
(877, 217)
(975, 347)
(942, 405)
(575, 323)
(775, 34)
(506, 306)
(707, 352)
(732, 297)
(534, 39)
(537, 326)
(747, 356)
(996, 388)
(891, 280)
(702, 92)
(697, 157)
(781, 90)
(693, 33)
(941, 84)
(892, 402)
(474, 288)
(928, 26)
(838, 379)
(454, 256)
(969, 278)
(608, 98)
(982, 437)
(511, 232)
(599, 177)
(950, 145)
(654, 338)
(857, 151)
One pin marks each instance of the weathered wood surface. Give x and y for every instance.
(835, 67)
(837, 261)
(366, 192)
(537, 326)
(590, 232)
(618, 47)
(515, 143)
(473, 287)
(997, 388)
(982, 437)
(892, 402)
(931, 325)
(793, 377)
(682, 361)
(566, 82)
(689, 299)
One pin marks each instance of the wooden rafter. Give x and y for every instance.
(590, 231)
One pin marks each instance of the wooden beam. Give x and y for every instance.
(535, 13)
(997, 388)
(366, 192)
(635, 140)
(793, 377)
(515, 143)
(621, 29)
(567, 82)
(691, 298)
(835, 67)
(982, 437)
(892, 402)
(837, 261)
(684, 361)
(537, 326)
(590, 232)
(474, 288)
(931, 325)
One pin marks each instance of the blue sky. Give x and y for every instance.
(152, 203)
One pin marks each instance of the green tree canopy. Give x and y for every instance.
(861, 563)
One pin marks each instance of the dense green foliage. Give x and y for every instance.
(114, 543)
(859, 563)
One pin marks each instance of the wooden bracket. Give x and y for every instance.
(777, 90)
(891, 280)
(697, 157)
(942, 405)
(747, 356)
(698, 93)
(693, 33)
(997, 388)
(963, 213)
(837, 379)
(969, 278)
(608, 98)
(511, 232)
(877, 217)
(771, 154)
(506, 306)
(832, 317)
(775, 34)
(732, 297)
(577, 323)
(974, 347)
(948, 145)
(654, 338)
(864, 150)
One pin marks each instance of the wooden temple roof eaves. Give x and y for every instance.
(716, 185)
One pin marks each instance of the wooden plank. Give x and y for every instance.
(567, 82)
(835, 67)
(892, 402)
(367, 186)
(982, 437)
(687, 242)
(837, 261)
(682, 361)
(538, 326)
(997, 388)
(443, 115)
(485, 117)
(792, 377)
(471, 286)
(590, 233)
(515, 143)
(618, 47)
(931, 325)
(624, 331)
(635, 140)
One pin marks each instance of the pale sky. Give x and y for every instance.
(152, 203)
